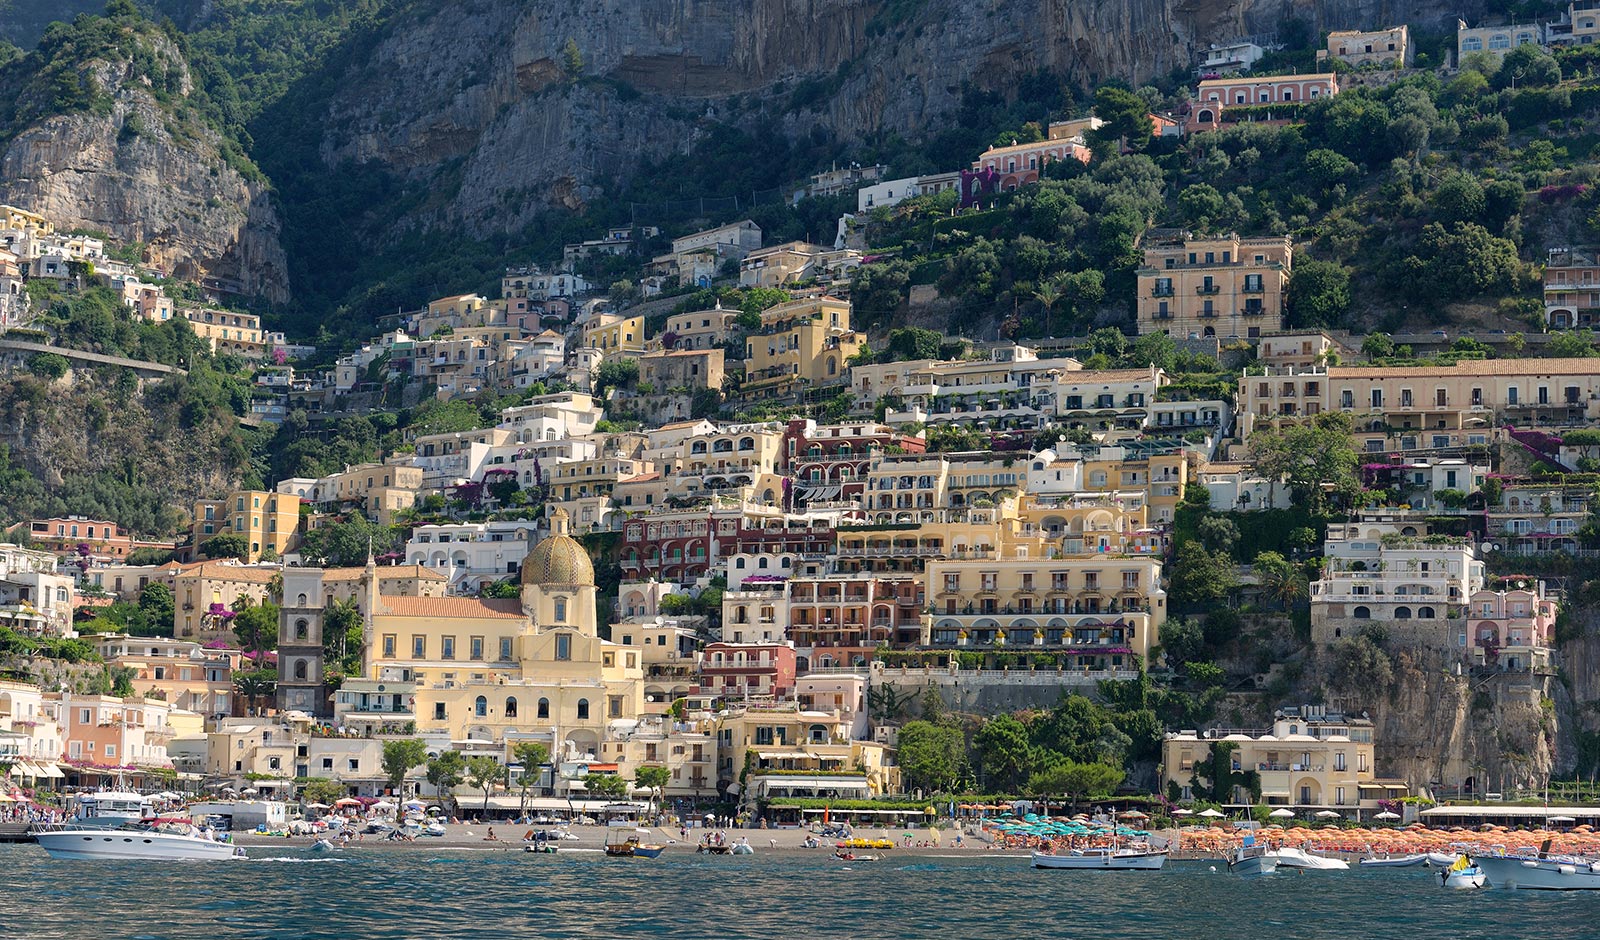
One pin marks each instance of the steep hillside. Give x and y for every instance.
(108, 127)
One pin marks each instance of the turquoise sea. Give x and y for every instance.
(290, 893)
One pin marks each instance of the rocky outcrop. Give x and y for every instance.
(146, 170)
(488, 89)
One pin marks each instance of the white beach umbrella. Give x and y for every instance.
(1327, 814)
(1182, 812)
(1282, 814)
(1212, 814)
(1387, 815)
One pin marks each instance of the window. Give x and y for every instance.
(480, 706)
(544, 708)
(563, 646)
(447, 649)
(561, 610)
(505, 648)
(511, 706)
(419, 647)
(475, 648)
(583, 709)
(438, 711)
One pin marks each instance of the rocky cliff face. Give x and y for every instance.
(137, 168)
(486, 84)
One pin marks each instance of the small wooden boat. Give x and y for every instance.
(630, 843)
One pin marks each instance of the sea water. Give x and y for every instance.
(422, 892)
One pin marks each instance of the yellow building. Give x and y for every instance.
(22, 219)
(535, 667)
(381, 490)
(801, 344)
(1224, 287)
(615, 334)
(199, 585)
(263, 519)
(1390, 48)
(701, 329)
(345, 584)
(226, 331)
(1310, 758)
(1102, 610)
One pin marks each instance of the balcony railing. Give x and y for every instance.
(1205, 290)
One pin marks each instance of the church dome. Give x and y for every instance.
(558, 558)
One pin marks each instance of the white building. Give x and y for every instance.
(472, 554)
(34, 598)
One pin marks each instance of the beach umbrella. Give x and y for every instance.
(1387, 815)
(1133, 814)
(1212, 814)
(250, 791)
(317, 806)
(1182, 812)
(1327, 814)
(1561, 819)
(1282, 814)
(347, 801)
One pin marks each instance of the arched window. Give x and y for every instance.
(561, 610)
(301, 629)
(299, 669)
(511, 706)
(583, 709)
(1402, 613)
(1425, 613)
(544, 708)
(480, 706)
(302, 601)
(1362, 613)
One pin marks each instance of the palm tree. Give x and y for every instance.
(255, 685)
(1048, 293)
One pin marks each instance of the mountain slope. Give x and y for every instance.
(108, 127)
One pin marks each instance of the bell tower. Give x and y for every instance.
(300, 651)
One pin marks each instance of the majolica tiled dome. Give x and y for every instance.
(559, 558)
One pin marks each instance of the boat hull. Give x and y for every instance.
(1464, 880)
(1255, 866)
(1151, 861)
(116, 844)
(1297, 858)
(1404, 861)
(1526, 874)
(648, 851)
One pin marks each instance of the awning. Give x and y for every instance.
(25, 769)
(51, 770)
(821, 492)
(783, 755)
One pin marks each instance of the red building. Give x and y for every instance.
(843, 619)
(679, 544)
(747, 670)
(100, 541)
(828, 462)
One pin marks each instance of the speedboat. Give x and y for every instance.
(743, 847)
(1138, 856)
(631, 843)
(1290, 857)
(170, 839)
(1463, 875)
(1548, 873)
(1393, 861)
(324, 845)
(1252, 860)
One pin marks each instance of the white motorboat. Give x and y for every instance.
(742, 847)
(174, 839)
(1442, 859)
(1252, 860)
(1137, 856)
(108, 809)
(1393, 861)
(1290, 857)
(1551, 873)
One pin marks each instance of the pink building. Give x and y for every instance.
(747, 670)
(108, 731)
(1512, 631)
(1215, 95)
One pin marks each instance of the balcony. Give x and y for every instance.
(1161, 292)
(1205, 290)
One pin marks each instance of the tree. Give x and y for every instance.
(48, 365)
(445, 772)
(1005, 755)
(571, 61)
(912, 342)
(1218, 533)
(1076, 781)
(932, 757)
(1377, 346)
(342, 633)
(482, 773)
(531, 755)
(399, 757)
(1200, 205)
(255, 686)
(605, 785)
(226, 546)
(1459, 262)
(348, 541)
(1316, 458)
(321, 790)
(1458, 199)
(1078, 729)
(1155, 349)
(654, 778)
(1126, 117)
(1571, 344)
(1201, 578)
(1183, 641)
(1329, 168)
(1319, 293)
(1527, 66)
(158, 605)
(257, 627)
(1280, 579)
